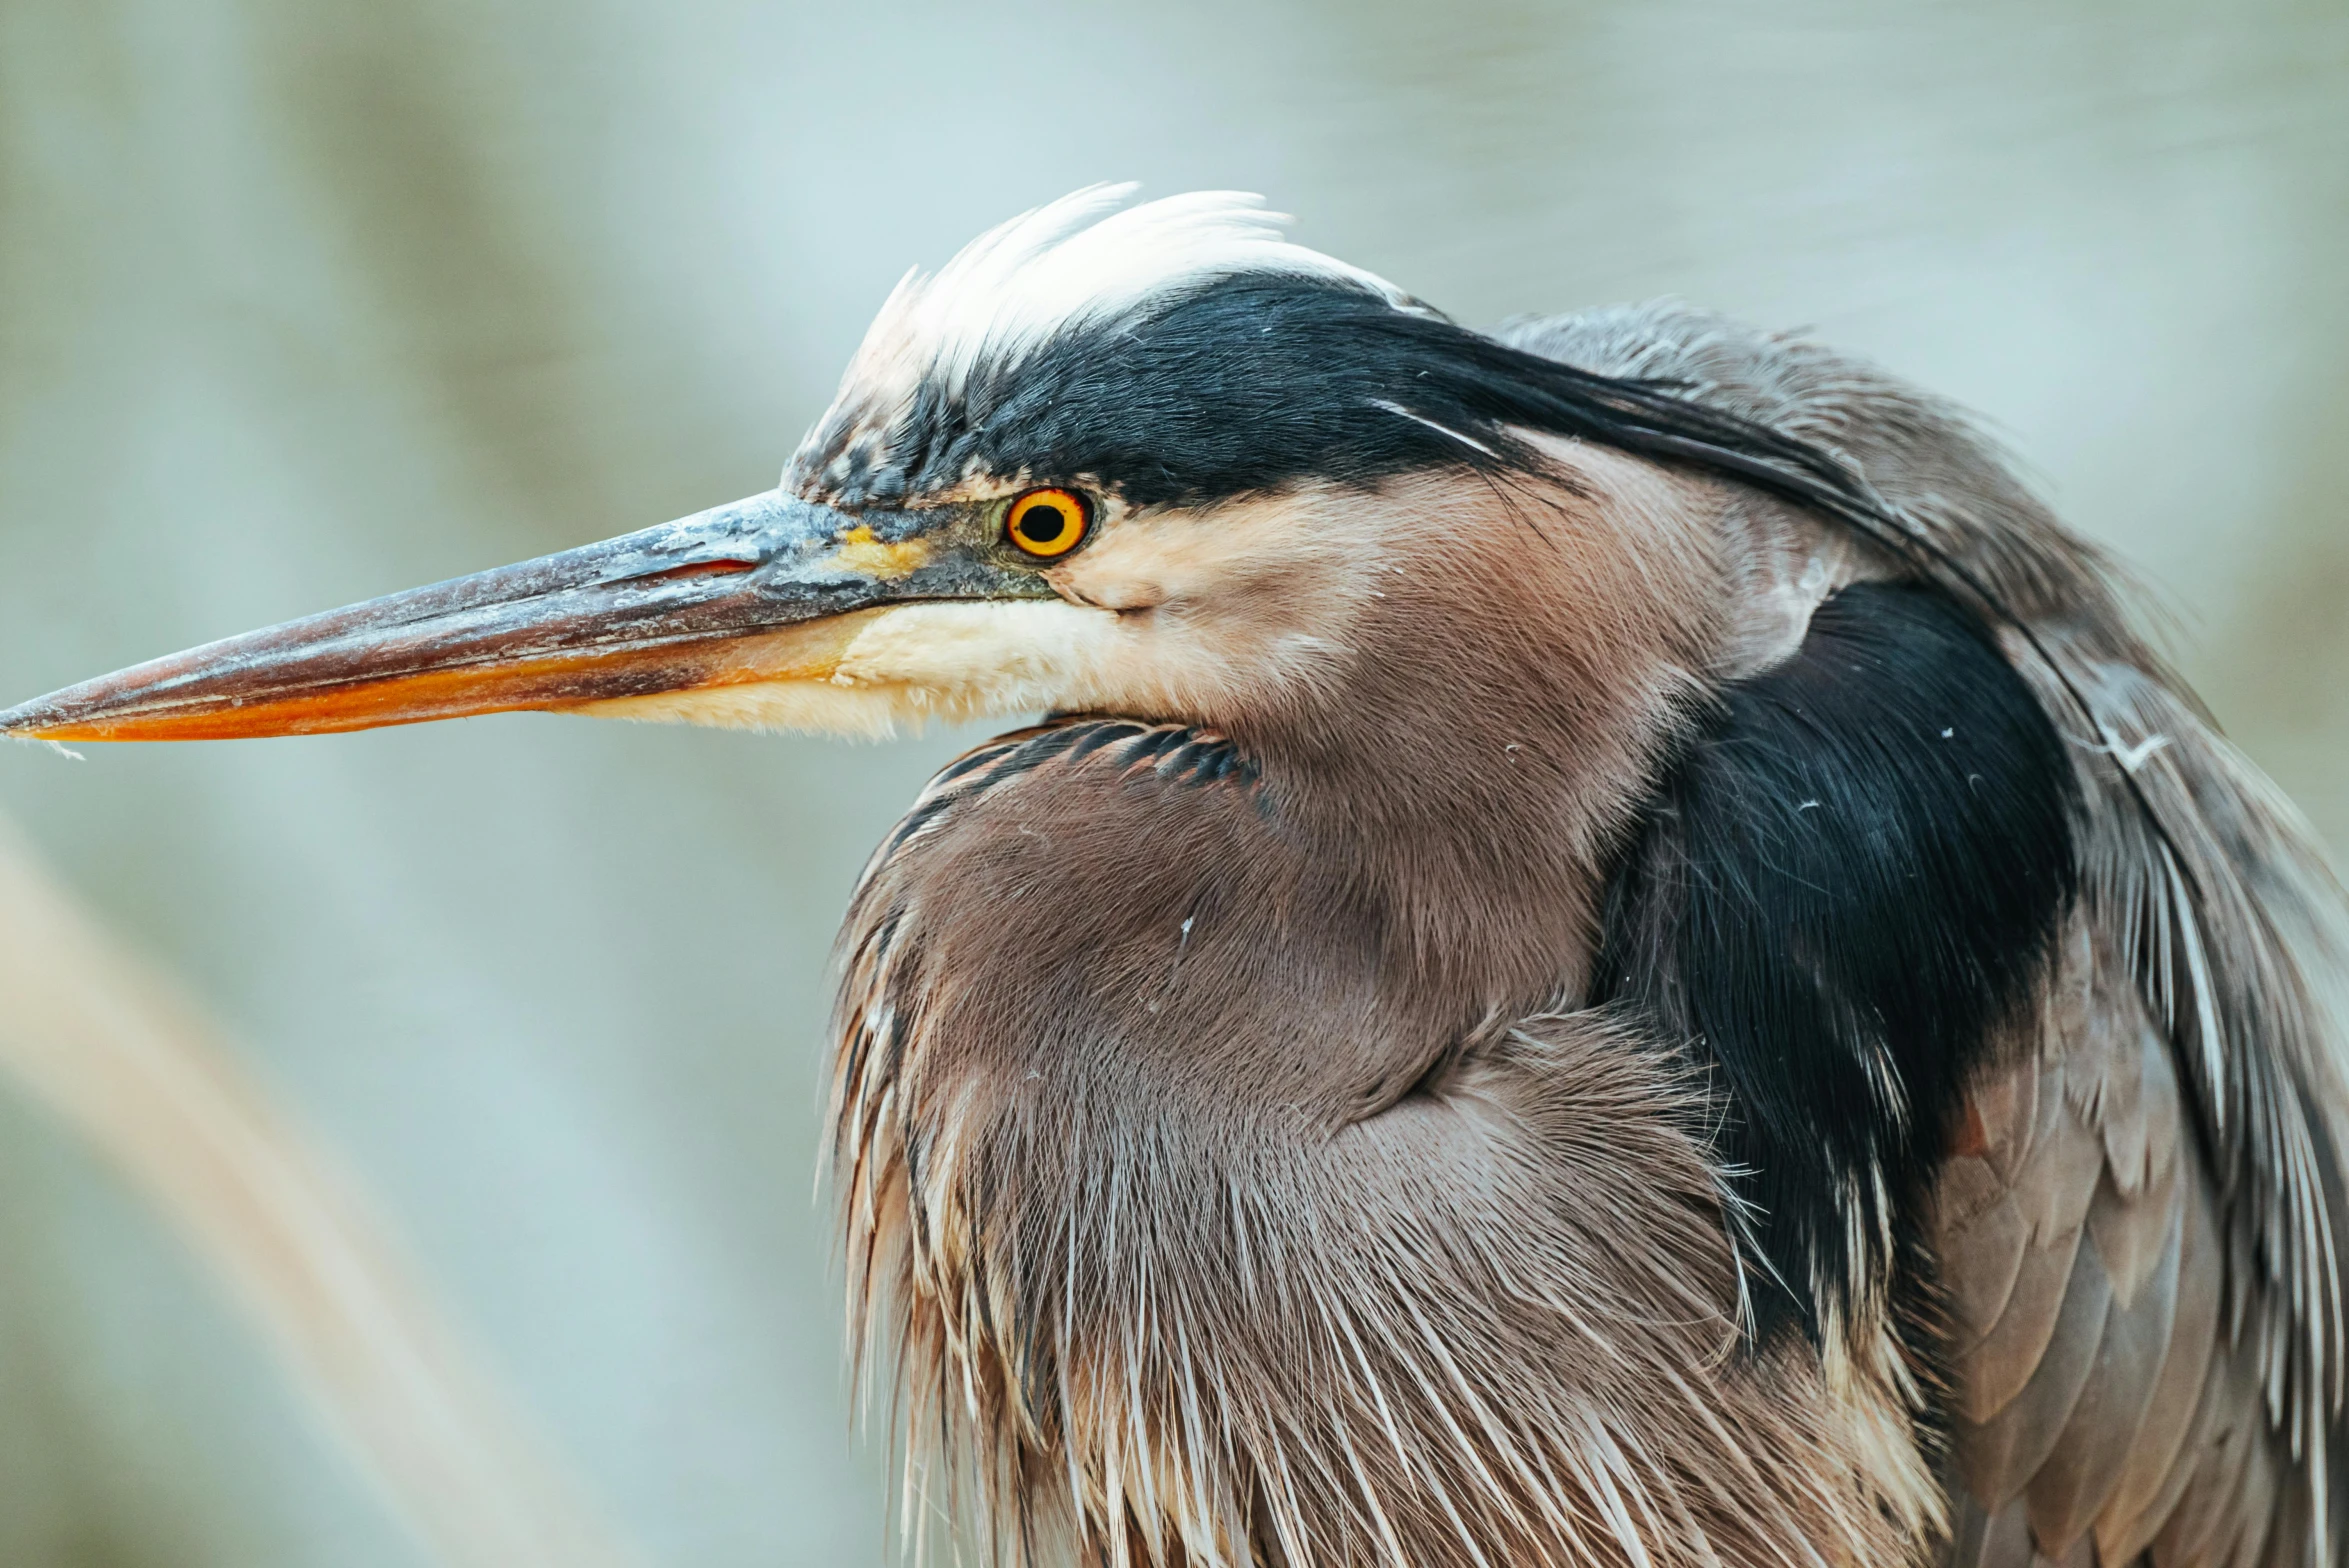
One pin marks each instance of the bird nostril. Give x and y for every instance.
(698, 569)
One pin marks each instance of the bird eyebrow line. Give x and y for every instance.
(1391, 407)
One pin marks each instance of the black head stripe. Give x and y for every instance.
(1251, 382)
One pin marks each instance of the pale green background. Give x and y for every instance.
(306, 300)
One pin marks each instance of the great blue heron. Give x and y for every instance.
(1611, 952)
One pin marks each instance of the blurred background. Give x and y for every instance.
(302, 301)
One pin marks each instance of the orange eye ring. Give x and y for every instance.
(1045, 524)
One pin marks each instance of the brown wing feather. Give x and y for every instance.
(2134, 1511)
(2103, 1403)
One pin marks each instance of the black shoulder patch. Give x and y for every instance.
(1854, 870)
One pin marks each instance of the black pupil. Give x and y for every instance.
(1043, 524)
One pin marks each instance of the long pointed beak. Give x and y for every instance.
(742, 592)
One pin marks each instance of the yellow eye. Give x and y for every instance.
(1046, 523)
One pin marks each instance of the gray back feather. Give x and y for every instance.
(2203, 884)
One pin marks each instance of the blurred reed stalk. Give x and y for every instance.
(103, 1043)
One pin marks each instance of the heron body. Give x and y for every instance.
(1611, 950)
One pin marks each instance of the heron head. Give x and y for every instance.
(1148, 459)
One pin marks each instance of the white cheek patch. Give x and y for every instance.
(988, 657)
(978, 646)
(907, 666)
(801, 707)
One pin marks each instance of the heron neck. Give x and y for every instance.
(1508, 709)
